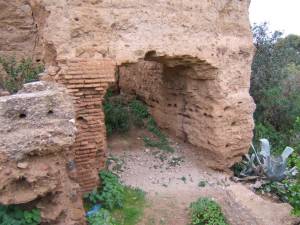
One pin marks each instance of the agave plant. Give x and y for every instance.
(266, 165)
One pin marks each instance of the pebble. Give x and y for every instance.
(22, 165)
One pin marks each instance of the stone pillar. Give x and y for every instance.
(87, 81)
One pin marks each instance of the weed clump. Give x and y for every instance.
(287, 191)
(101, 217)
(206, 212)
(120, 205)
(116, 115)
(14, 215)
(119, 117)
(19, 73)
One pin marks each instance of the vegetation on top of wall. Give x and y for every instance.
(14, 215)
(18, 73)
(120, 205)
(120, 116)
(205, 211)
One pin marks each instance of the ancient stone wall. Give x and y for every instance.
(36, 161)
(19, 32)
(200, 53)
(186, 100)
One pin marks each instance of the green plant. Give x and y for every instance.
(110, 195)
(14, 215)
(116, 117)
(19, 73)
(112, 190)
(287, 190)
(125, 204)
(263, 163)
(279, 140)
(133, 207)
(202, 183)
(206, 212)
(275, 83)
(119, 117)
(139, 112)
(162, 142)
(102, 217)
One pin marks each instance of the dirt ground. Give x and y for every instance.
(173, 180)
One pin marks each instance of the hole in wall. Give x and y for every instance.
(226, 108)
(81, 119)
(150, 54)
(22, 115)
(50, 112)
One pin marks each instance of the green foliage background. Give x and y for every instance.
(275, 87)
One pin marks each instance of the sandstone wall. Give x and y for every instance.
(192, 107)
(200, 53)
(19, 32)
(37, 166)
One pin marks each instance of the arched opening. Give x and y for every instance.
(176, 92)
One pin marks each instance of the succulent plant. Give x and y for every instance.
(266, 165)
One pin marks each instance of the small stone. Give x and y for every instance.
(22, 165)
(77, 214)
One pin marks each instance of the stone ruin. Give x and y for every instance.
(188, 60)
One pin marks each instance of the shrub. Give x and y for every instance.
(111, 194)
(287, 191)
(206, 212)
(139, 112)
(102, 217)
(116, 117)
(266, 130)
(14, 215)
(121, 204)
(275, 84)
(19, 73)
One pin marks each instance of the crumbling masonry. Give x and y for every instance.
(188, 60)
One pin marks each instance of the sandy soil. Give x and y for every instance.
(174, 180)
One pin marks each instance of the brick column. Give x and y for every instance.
(87, 81)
